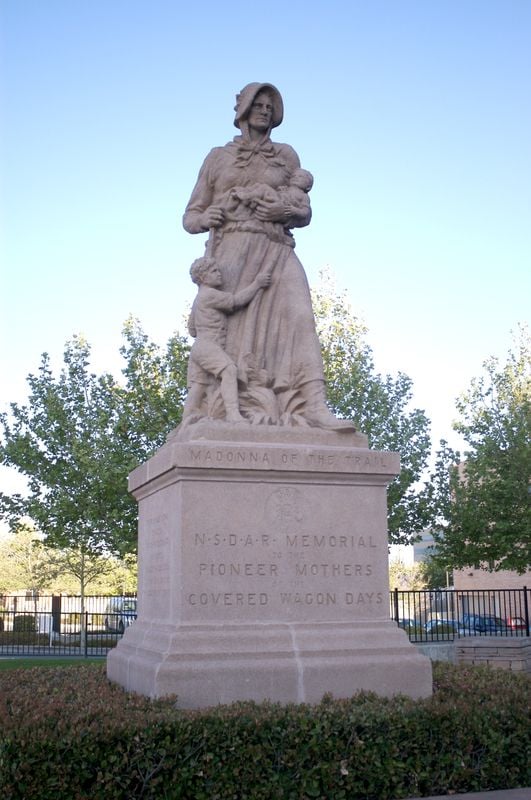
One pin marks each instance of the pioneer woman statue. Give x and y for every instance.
(272, 341)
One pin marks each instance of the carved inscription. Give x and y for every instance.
(333, 570)
(228, 599)
(245, 570)
(285, 458)
(232, 540)
(208, 457)
(366, 460)
(328, 540)
(282, 563)
(331, 598)
(308, 598)
(285, 508)
(278, 556)
(364, 598)
(155, 563)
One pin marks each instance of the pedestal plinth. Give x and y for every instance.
(263, 573)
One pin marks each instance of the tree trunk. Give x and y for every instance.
(83, 629)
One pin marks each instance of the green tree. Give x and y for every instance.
(70, 443)
(485, 501)
(25, 563)
(406, 577)
(155, 388)
(66, 441)
(380, 405)
(79, 436)
(99, 574)
(436, 574)
(120, 578)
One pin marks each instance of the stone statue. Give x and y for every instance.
(263, 569)
(249, 194)
(208, 324)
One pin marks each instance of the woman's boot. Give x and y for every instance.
(317, 413)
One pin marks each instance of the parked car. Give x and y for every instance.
(119, 614)
(516, 623)
(475, 623)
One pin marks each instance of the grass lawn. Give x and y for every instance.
(52, 661)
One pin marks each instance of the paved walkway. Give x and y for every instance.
(501, 794)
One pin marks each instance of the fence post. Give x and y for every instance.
(526, 612)
(395, 599)
(86, 633)
(56, 613)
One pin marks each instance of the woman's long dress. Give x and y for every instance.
(273, 340)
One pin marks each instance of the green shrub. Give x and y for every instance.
(444, 629)
(93, 640)
(10, 638)
(26, 623)
(67, 733)
(414, 631)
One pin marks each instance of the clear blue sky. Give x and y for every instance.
(413, 116)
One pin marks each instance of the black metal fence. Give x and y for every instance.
(58, 625)
(444, 615)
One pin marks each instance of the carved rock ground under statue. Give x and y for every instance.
(263, 567)
(263, 573)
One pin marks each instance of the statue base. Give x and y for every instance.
(263, 571)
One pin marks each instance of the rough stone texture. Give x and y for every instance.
(244, 199)
(263, 575)
(438, 651)
(217, 431)
(263, 569)
(506, 653)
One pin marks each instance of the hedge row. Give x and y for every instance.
(12, 638)
(67, 734)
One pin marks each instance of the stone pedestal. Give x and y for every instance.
(263, 572)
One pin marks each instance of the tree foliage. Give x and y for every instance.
(406, 577)
(155, 388)
(436, 574)
(64, 440)
(28, 564)
(380, 405)
(24, 562)
(79, 436)
(485, 504)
